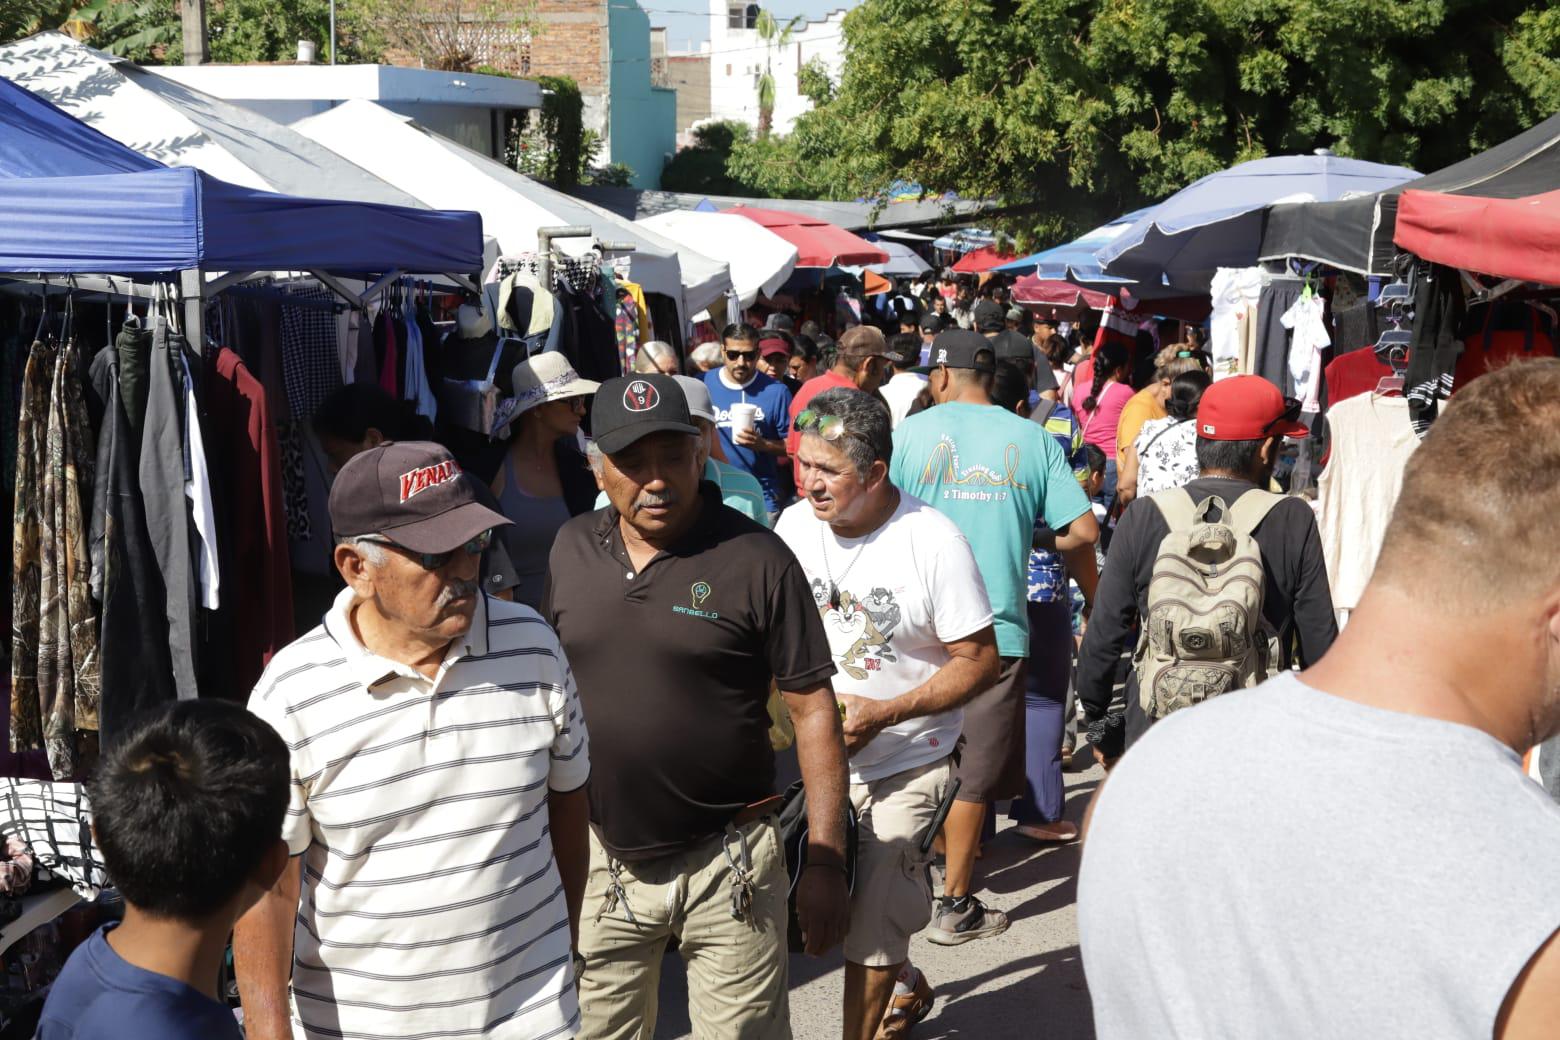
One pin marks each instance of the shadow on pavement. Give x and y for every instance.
(1042, 995)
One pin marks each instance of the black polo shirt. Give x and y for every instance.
(673, 666)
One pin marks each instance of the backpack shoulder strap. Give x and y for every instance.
(1177, 507)
(1251, 509)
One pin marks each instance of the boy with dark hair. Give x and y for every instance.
(188, 814)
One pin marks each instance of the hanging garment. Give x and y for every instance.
(1308, 338)
(1270, 358)
(198, 490)
(1433, 352)
(625, 326)
(636, 292)
(242, 444)
(164, 473)
(387, 350)
(524, 307)
(68, 664)
(1372, 441)
(310, 361)
(1235, 292)
(27, 720)
(587, 338)
(417, 389)
(1522, 333)
(133, 634)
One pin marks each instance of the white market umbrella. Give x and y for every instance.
(760, 260)
(445, 174)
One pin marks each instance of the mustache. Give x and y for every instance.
(653, 498)
(455, 590)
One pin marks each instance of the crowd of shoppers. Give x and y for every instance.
(531, 747)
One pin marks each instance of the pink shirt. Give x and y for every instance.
(1099, 426)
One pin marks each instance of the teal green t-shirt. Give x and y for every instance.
(991, 473)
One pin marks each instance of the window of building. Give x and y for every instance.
(742, 16)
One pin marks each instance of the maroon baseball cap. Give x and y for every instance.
(1247, 408)
(773, 345)
(411, 492)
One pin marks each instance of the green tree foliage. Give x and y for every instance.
(701, 168)
(1081, 109)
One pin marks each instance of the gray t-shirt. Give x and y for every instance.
(1281, 863)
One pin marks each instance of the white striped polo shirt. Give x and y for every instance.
(431, 906)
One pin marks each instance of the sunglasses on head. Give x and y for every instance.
(829, 427)
(741, 355)
(433, 561)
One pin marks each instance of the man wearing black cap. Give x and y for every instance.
(438, 785)
(1010, 345)
(680, 613)
(994, 475)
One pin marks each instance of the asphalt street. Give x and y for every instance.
(1023, 985)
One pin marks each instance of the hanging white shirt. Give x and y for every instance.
(1235, 292)
(1307, 341)
(198, 489)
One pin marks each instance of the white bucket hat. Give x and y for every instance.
(547, 377)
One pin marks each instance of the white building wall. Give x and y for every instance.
(738, 58)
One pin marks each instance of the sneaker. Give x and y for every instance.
(956, 921)
(907, 1009)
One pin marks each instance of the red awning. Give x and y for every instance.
(1039, 293)
(818, 243)
(981, 260)
(1508, 238)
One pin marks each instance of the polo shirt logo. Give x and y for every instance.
(415, 482)
(640, 396)
(698, 592)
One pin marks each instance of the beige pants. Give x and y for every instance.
(893, 897)
(737, 969)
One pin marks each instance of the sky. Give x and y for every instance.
(687, 22)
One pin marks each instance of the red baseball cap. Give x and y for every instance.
(1247, 408)
(773, 345)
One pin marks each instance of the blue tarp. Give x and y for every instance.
(74, 200)
(1074, 261)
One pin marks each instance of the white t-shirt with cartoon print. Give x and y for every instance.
(905, 590)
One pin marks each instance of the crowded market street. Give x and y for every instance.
(597, 520)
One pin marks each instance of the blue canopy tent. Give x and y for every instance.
(1217, 221)
(1074, 261)
(75, 201)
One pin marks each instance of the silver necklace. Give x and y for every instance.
(823, 550)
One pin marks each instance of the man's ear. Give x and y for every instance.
(352, 567)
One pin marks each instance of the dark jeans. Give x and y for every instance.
(1045, 701)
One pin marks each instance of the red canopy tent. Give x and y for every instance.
(979, 261)
(818, 243)
(1508, 238)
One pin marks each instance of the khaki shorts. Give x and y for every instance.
(893, 896)
(737, 969)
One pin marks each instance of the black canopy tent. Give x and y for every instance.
(1356, 234)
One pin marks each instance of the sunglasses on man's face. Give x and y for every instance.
(434, 561)
(741, 355)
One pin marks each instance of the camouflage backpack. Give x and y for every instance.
(1204, 633)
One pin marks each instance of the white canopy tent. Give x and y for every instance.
(180, 126)
(442, 174)
(760, 260)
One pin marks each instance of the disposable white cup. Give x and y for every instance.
(743, 416)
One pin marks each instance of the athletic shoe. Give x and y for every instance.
(957, 921)
(907, 1009)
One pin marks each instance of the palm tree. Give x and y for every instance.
(775, 37)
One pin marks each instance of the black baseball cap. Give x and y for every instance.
(931, 322)
(962, 348)
(989, 316)
(904, 355)
(411, 492)
(630, 407)
(1012, 346)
